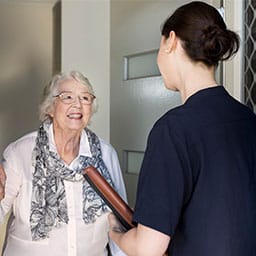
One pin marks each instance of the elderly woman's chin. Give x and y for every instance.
(76, 125)
(70, 124)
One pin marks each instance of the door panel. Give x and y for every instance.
(137, 103)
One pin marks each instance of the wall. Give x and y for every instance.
(233, 74)
(85, 46)
(26, 65)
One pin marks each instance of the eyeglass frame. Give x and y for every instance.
(77, 96)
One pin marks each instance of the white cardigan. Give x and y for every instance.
(73, 239)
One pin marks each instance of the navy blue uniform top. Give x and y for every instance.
(198, 178)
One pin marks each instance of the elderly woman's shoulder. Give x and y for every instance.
(106, 146)
(26, 141)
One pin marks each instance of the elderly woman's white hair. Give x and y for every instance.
(52, 89)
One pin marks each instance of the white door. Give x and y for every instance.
(138, 102)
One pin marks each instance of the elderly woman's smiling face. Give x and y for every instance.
(72, 108)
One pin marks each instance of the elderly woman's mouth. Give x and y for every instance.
(75, 116)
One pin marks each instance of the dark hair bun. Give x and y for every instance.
(217, 44)
(203, 33)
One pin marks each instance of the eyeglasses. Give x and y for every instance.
(69, 98)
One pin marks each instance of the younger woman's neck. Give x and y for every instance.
(189, 91)
(197, 77)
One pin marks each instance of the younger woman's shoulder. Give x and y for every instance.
(174, 117)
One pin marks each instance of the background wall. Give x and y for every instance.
(26, 61)
(26, 65)
(85, 43)
(233, 74)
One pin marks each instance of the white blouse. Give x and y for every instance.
(73, 239)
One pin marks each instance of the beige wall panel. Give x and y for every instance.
(26, 50)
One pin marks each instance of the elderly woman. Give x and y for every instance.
(54, 210)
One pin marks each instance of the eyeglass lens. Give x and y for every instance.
(68, 98)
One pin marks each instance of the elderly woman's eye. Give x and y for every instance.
(86, 98)
(67, 96)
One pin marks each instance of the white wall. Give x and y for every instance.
(26, 65)
(85, 44)
(233, 73)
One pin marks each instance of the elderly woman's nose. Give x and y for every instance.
(77, 101)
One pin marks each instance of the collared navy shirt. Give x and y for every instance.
(198, 178)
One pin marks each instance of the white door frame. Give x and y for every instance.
(233, 69)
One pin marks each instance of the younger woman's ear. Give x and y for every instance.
(171, 42)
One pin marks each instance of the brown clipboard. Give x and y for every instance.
(112, 199)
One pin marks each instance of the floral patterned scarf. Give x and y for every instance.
(48, 203)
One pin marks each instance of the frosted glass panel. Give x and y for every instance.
(133, 161)
(141, 65)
